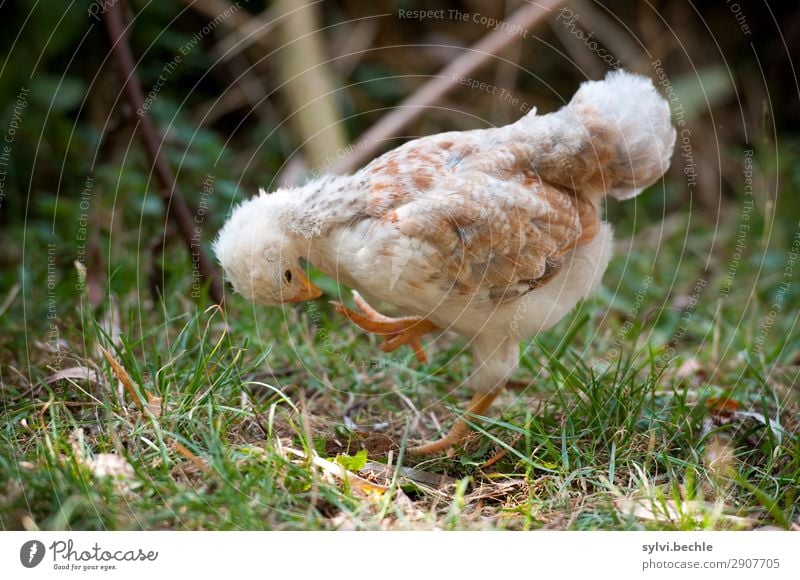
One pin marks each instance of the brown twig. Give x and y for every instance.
(123, 376)
(431, 92)
(200, 464)
(177, 208)
(500, 454)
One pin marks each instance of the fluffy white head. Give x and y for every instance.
(259, 258)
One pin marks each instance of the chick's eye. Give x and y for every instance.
(287, 275)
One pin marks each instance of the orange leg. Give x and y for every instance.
(479, 404)
(398, 331)
(408, 330)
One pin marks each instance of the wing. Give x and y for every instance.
(505, 233)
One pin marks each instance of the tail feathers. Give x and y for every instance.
(615, 137)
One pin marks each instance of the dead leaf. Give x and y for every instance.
(496, 490)
(343, 522)
(110, 465)
(769, 529)
(436, 480)
(76, 374)
(775, 426)
(648, 509)
(339, 472)
(689, 368)
(352, 412)
(670, 511)
(154, 405)
(720, 456)
(722, 406)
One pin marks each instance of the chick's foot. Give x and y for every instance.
(398, 331)
(479, 404)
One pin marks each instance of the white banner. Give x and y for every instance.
(387, 555)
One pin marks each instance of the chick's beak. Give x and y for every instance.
(309, 291)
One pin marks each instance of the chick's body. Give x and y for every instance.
(496, 259)
(494, 234)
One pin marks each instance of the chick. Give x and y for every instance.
(495, 234)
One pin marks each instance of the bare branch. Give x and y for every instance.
(431, 92)
(246, 29)
(176, 206)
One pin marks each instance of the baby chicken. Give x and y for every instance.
(494, 234)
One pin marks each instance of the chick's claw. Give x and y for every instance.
(478, 406)
(398, 331)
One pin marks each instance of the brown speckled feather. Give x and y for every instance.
(504, 233)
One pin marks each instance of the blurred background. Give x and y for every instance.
(258, 94)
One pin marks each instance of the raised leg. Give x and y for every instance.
(398, 331)
(479, 404)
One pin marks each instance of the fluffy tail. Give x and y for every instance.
(614, 137)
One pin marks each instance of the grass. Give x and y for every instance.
(664, 402)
